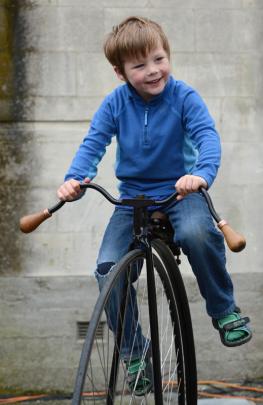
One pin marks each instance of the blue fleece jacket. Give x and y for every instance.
(157, 142)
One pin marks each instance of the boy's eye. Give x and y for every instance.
(138, 66)
(159, 58)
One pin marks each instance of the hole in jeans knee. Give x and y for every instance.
(104, 268)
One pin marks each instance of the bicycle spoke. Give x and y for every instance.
(131, 312)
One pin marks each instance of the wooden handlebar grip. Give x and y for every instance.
(234, 240)
(30, 222)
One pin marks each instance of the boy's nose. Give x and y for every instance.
(152, 70)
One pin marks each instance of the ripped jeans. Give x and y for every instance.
(200, 241)
(134, 344)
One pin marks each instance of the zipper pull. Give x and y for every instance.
(146, 117)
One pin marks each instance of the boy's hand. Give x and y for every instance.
(189, 184)
(70, 190)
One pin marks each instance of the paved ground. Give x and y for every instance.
(214, 401)
(200, 402)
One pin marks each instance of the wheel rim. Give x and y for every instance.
(98, 369)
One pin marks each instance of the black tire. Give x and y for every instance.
(102, 374)
(188, 394)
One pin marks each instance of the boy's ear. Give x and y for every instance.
(118, 73)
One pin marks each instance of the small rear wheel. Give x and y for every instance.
(119, 332)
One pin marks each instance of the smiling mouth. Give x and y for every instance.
(154, 81)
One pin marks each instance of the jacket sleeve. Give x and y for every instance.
(93, 147)
(201, 128)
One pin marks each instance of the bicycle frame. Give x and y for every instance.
(142, 240)
(141, 235)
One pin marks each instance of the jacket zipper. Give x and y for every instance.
(145, 132)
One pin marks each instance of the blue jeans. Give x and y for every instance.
(199, 239)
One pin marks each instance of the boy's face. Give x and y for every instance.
(148, 75)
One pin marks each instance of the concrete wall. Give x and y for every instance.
(53, 76)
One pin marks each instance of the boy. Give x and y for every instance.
(165, 139)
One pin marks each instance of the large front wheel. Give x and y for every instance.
(119, 332)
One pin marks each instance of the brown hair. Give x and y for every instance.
(132, 38)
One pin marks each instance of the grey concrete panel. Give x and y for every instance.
(125, 4)
(225, 4)
(103, 3)
(60, 254)
(259, 78)
(198, 4)
(40, 316)
(77, 3)
(241, 207)
(50, 157)
(63, 28)
(248, 169)
(51, 74)
(43, 343)
(95, 75)
(5, 105)
(218, 74)
(241, 120)
(18, 141)
(68, 242)
(253, 3)
(223, 30)
(62, 108)
(173, 20)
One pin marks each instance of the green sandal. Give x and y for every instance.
(139, 376)
(233, 330)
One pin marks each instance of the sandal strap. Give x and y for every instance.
(239, 323)
(138, 380)
(135, 366)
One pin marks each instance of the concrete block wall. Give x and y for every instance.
(53, 76)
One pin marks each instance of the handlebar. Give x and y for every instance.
(234, 240)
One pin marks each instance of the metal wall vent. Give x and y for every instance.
(82, 328)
